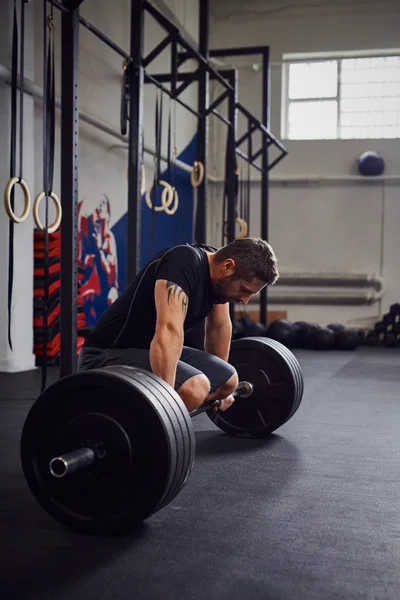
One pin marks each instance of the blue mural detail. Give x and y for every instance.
(165, 230)
(102, 250)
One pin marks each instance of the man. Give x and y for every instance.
(176, 290)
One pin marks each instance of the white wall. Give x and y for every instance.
(330, 227)
(102, 168)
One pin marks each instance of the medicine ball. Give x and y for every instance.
(336, 326)
(295, 335)
(251, 328)
(306, 334)
(347, 339)
(323, 339)
(371, 163)
(282, 331)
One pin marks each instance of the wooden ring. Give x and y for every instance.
(165, 204)
(35, 211)
(243, 228)
(7, 200)
(170, 211)
(198, 167)
(142, 180)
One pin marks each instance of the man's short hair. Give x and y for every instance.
(253, 257)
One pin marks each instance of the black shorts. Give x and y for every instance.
(192, 362)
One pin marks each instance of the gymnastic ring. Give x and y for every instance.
(142, 180)
(7, 200)
(170, 211)
(165, 204)
(35, 211)
(243, 228)
(198, 167)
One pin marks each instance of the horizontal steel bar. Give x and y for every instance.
(104, 38)
(166, 77)
(192, 76)
(242, 51)
(149, 78)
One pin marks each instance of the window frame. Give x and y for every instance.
(289, 59)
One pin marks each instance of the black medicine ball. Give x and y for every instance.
(371, 164)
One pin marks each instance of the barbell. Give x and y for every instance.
(102, 450)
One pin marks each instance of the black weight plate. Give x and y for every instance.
(292, 360)
(183, 433)
(278, 388)
(138, 431)
(168, 400)
(296, 370)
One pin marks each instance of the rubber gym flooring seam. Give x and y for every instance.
(312, 513)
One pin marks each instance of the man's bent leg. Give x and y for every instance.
(222, 376)
(194, 391)
(225, 389)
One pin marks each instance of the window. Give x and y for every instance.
(343, 98)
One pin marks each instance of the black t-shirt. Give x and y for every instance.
(130, 321)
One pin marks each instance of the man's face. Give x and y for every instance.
(230, 288)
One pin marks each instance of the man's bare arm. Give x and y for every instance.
(218, 331)
(166, 346)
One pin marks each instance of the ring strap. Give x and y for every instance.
(16, 47)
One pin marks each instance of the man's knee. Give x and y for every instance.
(229, 386)
(194, 391)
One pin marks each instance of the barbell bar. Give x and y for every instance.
(127, 439)
(67, 464)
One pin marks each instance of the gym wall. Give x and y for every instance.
(327, 227)
(103, 159)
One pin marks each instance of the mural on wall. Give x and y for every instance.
(97, 254)
(102, 248)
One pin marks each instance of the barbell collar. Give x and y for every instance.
(243, 390)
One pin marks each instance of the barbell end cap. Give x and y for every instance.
(243, 390)
(66, 464)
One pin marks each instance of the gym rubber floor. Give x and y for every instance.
(312, 513)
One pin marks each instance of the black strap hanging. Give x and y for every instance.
(172, 150)
(49, 110)
(157, 162)
(18, 48)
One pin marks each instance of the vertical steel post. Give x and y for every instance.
(231, 159)
(265, 118)
(202, 132)
(136, 75)
(69, 190)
